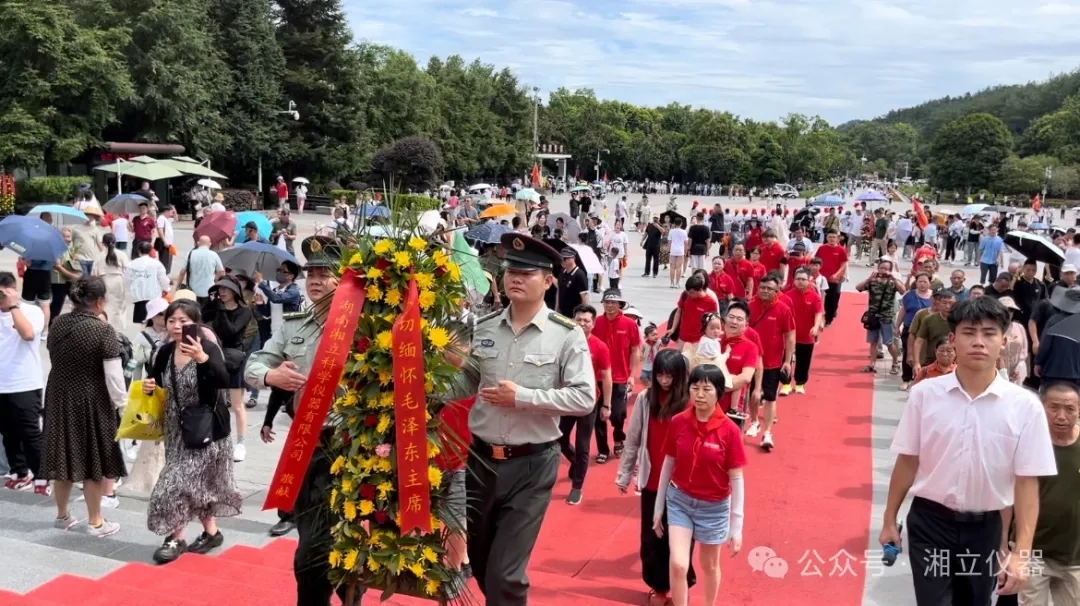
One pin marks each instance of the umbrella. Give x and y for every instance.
(191, 166)
(250, 216)
(249, 257)
(498, 210)
(151, 170)
(488, 232)
(972, 209)
(528, 194)
(90, 208)
(589, 260)
(209, 183)
(300, 180)
(472, 274)
(32, 239)
(125, 204)
(828, 200)
(872, 196)
(479, 186)
(580, 188)
(1039, 226)
(570, 226)
(219, 226)
(374, 210)
(62, 215)
(1034, 246)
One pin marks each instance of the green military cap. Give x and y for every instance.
(320, 251)
(524, 252)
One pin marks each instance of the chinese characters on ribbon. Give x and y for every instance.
(410, 417)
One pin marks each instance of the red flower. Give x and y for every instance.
(440, 271)
(381, 263)
(367, 491)
(381, 517)
(363, 344)
(371, 420)
(346, 438)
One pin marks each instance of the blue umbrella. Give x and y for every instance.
(260, 220)
(374, 210)
(1039, 226)
(828, 200)
(32, 239)
(249, 257)
(973, 209)
(488, 233)
(62, 214)
(871, 196)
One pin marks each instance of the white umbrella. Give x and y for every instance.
(300, 180)
(588, 259)
(210, 183)
(479, 186)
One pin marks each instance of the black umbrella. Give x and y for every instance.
(1034, 246)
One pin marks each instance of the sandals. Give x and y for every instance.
(868, 368)
(895, 370)
(601, 458)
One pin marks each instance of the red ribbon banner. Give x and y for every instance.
(410, 422)
(319, 390)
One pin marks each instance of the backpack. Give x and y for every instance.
(127, 357)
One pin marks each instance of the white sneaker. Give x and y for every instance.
(65, 523)
(766, 441)
(755, 428)
(106, 529)
(110, 502)
(239, 452)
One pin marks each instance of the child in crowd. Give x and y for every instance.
(614, 267)
(944, 362)
(648, 353)
(817, 280)
(708, 348)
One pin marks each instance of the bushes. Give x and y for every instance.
(238, 199)
(415, 202)
(49, 190)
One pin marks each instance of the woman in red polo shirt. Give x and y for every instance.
(701, 486)
(646, 438)
(692, 305)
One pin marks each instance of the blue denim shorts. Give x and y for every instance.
(709, 520)
(882, 335)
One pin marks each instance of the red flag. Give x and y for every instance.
(920, 215)
(410, 423)
(1035, 204)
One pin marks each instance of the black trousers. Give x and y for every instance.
(507, 503)
(907, 373)
(652, 260)
(578, 454)
(804, 353)
(20, 425)
(59, 296)
(953, 563)
(617, 420)
(950, 247)
(832, 302)
(574, 204)
(655, 552)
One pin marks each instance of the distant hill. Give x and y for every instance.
(1017, 105)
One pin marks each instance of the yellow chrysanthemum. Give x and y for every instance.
(438, 337)
(367, 464)
(333, 497)
(350, 399)
(374, 273)
(434, 475)
(389, 318)
(376, 541)
(384, 377)
(392, 297)
(335, 558)
(417, 243)
(423, 324)
(350, 559)
(359, 357)
(386, 399)
(363, 369)
(435, 523)
(424, 280)
(372, 565)
(350, 510)
(454, 271)
(433, 451)
(384, 423)
(356, 259)
(431, 586)
(428, 385)
(402, 259)
(441, 258)
(385, 339)
(427, 299)
(346, 485)
(339, 462)
(373, 293)
(385, 488)
(430, 555)
(366, 507)
(417, 568)
(383, 246)
(383, 465)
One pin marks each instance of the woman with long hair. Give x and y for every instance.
(84, 390)
(666, 396)
(112, 272)
(228, 316)
(701, 487)
(196, 483)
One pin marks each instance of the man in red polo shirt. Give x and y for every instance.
(741, 271)
(834, 262)
(772, 254)
(578, 454)
(145, 228)
(805, 304)
(621, 336)
(720, 282)
(742, 353)
(798, 258)
(775, 324)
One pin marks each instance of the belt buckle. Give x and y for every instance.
(499, 452)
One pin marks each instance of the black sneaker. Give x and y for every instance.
(618, 449)
(282, 528)
(575, 497)
(171, 549)
(251, 403)
(206, 542)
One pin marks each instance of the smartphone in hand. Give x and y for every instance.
(190, 330)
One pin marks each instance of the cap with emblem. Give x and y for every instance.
(568, 253)
(613, 294)
(526, 253)
(320, 251)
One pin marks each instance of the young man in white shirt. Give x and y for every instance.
(165, 237)
(970, 448)
(121, 229)
(21, 382)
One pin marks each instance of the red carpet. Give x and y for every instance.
(809, 501)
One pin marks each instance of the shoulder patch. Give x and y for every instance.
(489, 316)
(295, 315)
(562, 320)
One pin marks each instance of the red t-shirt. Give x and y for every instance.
(740, 271)
(758, 272)
(282, 191)
(804, 306)
(690, 319)
(454, 435)
(753, 240)
(772, 256)
(923, 252)
(620, 335)
(794, 263)
(704, 452)
(741, 353)
(655, 443)
(721, 284)
(832, 258)
(601, 360)
(771, 324)
(143, 227)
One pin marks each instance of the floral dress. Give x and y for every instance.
(195, 483)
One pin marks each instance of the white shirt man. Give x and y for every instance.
(121, 229)
(21, 382)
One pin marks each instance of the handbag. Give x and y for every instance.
(200, 424)
(234, 359)
(870, 321)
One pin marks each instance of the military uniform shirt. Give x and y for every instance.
(295, 342)
(550, 363)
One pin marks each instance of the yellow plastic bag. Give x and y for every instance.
(144, 415)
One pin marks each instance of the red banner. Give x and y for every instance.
(319, 390)
(7, 184)
(920, 215)
(410, 422)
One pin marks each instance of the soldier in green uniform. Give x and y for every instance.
(284, 362)
(534, 368)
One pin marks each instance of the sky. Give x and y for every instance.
(761, 59)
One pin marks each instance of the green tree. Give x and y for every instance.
(968, 153)
(1057, 133)
(401, 96)
(61, 84)
(414, 163)
(1021, 175)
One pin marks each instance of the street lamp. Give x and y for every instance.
(606, 151)
(292, 112)
(536, 120)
